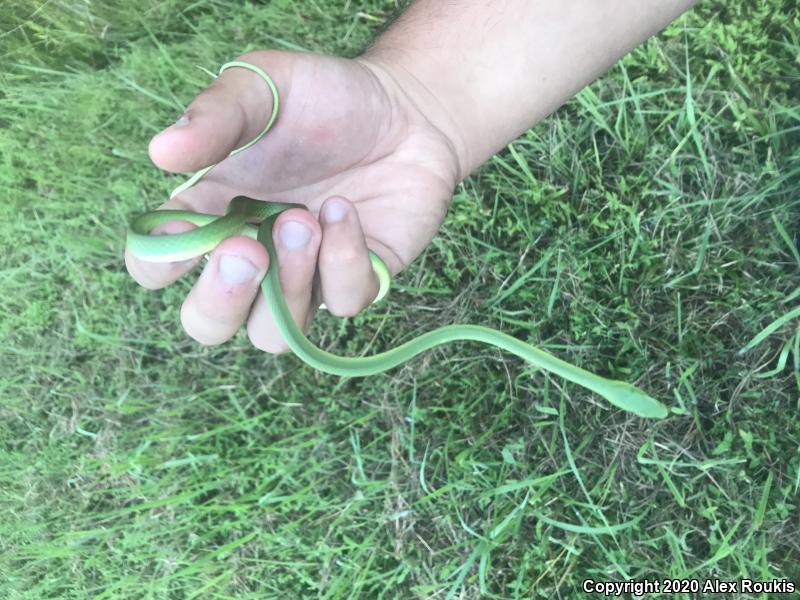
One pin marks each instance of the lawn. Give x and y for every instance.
(646, 231)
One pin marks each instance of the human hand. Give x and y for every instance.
(349, 144)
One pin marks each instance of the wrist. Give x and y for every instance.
(406, 88)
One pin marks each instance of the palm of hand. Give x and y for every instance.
(340, 132)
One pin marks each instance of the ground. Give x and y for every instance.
(645, 231)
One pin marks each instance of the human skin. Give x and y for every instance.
(373, 146)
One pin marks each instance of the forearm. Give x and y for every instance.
(486, 70)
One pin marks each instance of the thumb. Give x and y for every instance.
(225, 116)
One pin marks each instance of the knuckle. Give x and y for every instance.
(201, 339)
(197, 329)
(264, 342)
(201, 336)
(247, 56)
(144, 274)
(253, 56)
(344, 309)
(148, 284)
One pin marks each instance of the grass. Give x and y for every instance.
(645, 231)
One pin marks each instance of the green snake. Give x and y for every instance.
(254, 218)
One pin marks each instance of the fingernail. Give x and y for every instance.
(334, 211)
(183, 120)
(235, 269)
(294, 235)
